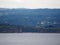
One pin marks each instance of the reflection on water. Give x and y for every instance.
(29, 39)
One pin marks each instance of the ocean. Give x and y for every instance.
(29, 38)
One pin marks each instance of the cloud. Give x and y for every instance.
(30, 3)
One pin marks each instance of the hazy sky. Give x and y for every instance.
(29, 3)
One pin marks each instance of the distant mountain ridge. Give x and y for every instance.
(30, 17)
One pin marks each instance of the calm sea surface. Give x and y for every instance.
(29, 39)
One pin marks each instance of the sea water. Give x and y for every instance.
(29, 38)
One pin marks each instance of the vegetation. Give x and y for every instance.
(7, 28)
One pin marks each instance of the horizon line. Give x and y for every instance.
(29, 8)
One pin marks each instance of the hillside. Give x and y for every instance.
(31, 18)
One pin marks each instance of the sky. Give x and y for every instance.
(32, 4)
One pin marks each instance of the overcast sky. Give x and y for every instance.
(29, 3)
